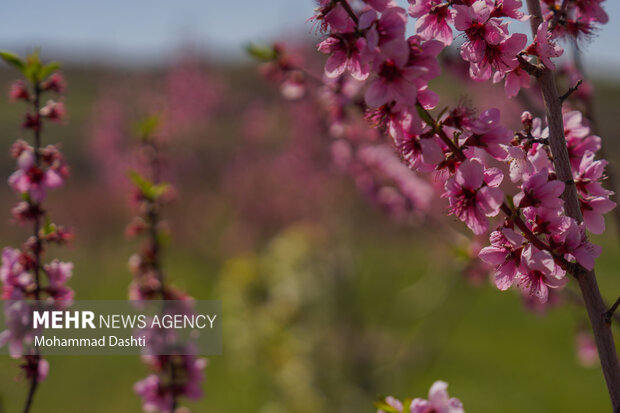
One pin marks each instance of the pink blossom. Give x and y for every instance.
(332, 16)
(473, 194)
(393, 403)
(14, 276)
(507, 8)
(573, 243)
(590, 174)
(504, 253)
(19, 91)
(434, 19)
(501, 57)
(438, 401)
(543, 47)
(539, 191)
(424, 54)
(591, 10)
(31, 179)
(519, 164)
(18, 316)
(394, 81)
(58, 273)
(578, 138)
(383, 164)
(479, 28)
(390, 26)
(514, 80)
(55, 83)
(154, 397)
(593, 209)
(421, 152)
(399, 120)
(347, 53)
(545, 220)
(487, 133)
(587, 354)
(54, 111)
(539, 273)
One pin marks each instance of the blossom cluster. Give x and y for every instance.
(176, 373)
(574, 19)
(371, 64)
(23, 274)
(438, 401)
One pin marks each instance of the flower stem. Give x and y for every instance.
(587, 279)
(37, 244)
(33, 388)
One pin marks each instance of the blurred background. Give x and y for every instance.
(330, 301)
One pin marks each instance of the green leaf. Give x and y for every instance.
(385, 407)
(49, 227)
(13, 60)
(147, 127)
(148, 189)
(444, 110)
(33, 67)
(261, 53)
(425, 116)
(48, 69)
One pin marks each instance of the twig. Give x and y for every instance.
(610, 313)
(571, 90)
(349, 10)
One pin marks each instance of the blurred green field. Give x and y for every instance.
(324, 311)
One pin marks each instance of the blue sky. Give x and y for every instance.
(150, 30)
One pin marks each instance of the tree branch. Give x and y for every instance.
(587, 280)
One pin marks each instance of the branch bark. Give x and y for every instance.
(587, 280)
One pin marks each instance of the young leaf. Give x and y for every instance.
(48, 69)
(147, 127)
(381, 405)
(141, 183)
(13, 60)
(425, 116)
(262, 53)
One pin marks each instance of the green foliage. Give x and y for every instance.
(146, 128)
(48, 70)
(32, 68)
(147, 188)
(261, 53)
(425, 116)
(13, 60)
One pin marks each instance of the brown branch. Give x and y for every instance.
(610, 313)
(36, 106)
(571, 90)
(347, 7)
(587, 280)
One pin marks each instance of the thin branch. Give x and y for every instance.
(610, 313)
(571, 90)
(347, 7)
(34, 380)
